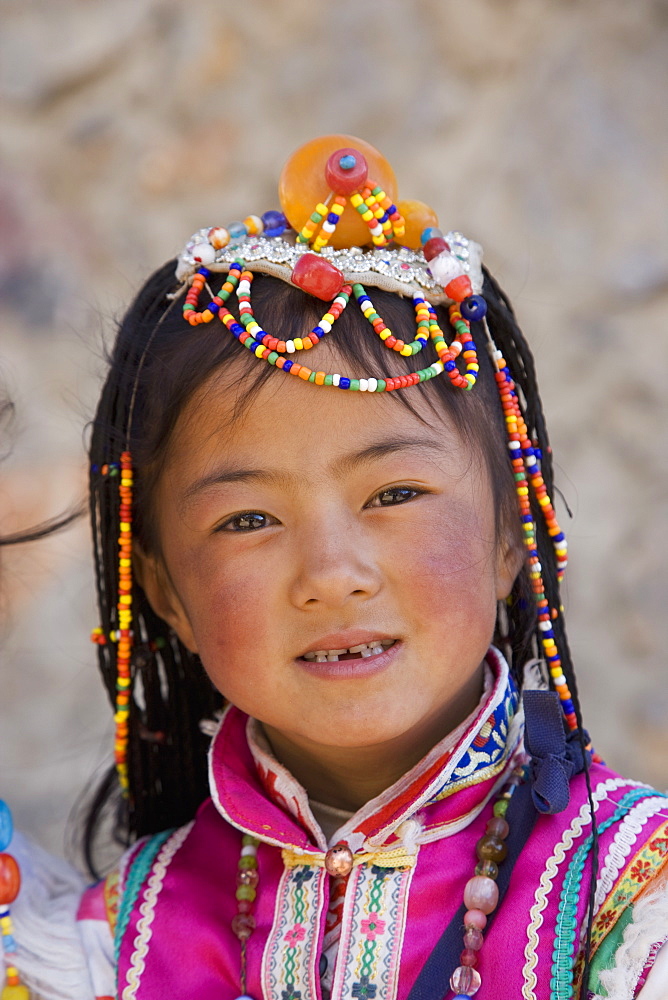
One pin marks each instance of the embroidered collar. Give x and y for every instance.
(259, 796)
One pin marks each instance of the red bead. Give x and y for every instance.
(469, 957)
(459, 288)
(245, 905)
(315, 275)
(434, 246)
(10, 879)
(346, 178)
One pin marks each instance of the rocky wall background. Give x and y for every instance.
(535, 126)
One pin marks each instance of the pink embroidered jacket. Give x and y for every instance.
(377, 928)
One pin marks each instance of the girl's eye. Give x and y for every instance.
(393, 496)
(248, 521)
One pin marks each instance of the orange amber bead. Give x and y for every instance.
(10, 879)
(417, 217)
(302, 185)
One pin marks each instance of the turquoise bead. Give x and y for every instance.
(6, 826)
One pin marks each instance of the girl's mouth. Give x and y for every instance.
(359, 652)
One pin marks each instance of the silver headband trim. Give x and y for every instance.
(397, 270)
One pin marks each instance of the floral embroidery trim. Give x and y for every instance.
(549, 875)
(566, 924)
(288, 964)
(646, 863)
(172, 843)
(625, 839)
(370, 945)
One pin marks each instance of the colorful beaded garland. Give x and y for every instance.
(10, 883)
(272, 350)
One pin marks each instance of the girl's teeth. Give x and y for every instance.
(364, 649)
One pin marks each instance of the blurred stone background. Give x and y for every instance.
(536, 126)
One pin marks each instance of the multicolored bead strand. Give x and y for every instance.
(481, 894)
(243, 923)
(124, 610)
(525, 461)
(10, 883)
(268, 348)
(384, 332)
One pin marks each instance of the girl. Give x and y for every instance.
(349, 579)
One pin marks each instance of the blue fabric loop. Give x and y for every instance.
(555, 756)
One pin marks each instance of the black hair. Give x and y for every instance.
(157, 364)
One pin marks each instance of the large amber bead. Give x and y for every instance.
(303, 184)
(417, 217)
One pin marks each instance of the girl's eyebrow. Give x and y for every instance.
(346, 463)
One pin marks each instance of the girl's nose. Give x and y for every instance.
(333, 567)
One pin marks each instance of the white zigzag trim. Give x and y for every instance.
(578, 823)
(147, 910)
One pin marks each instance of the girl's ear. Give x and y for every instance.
(152, 576)
(510, 555)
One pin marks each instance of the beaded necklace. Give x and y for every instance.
(481, 893)
(10, 883)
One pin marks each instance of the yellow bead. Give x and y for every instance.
(259, 350)
(384, 334)
(368, 215)
(15, 993)
(406, 351)
(299, 346)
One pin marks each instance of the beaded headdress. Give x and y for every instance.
(342, 231)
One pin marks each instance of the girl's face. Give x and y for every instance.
(318, 521)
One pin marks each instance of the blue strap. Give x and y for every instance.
(555, 756)
(433, 981)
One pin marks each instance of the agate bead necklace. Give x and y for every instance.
(10, 883)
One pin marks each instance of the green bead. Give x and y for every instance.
(328, 380)
(355, 384)
(381, 385)
(248, 861)
(248, 840)
(358, 290)
(501, 807)
(311, 377)
(246, 892)
(248, 341)
(272, 358)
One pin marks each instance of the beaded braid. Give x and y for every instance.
(516, 354)
(157, 687)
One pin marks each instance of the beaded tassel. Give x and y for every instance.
(10, 883)
(124, 607)
(524, 458)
